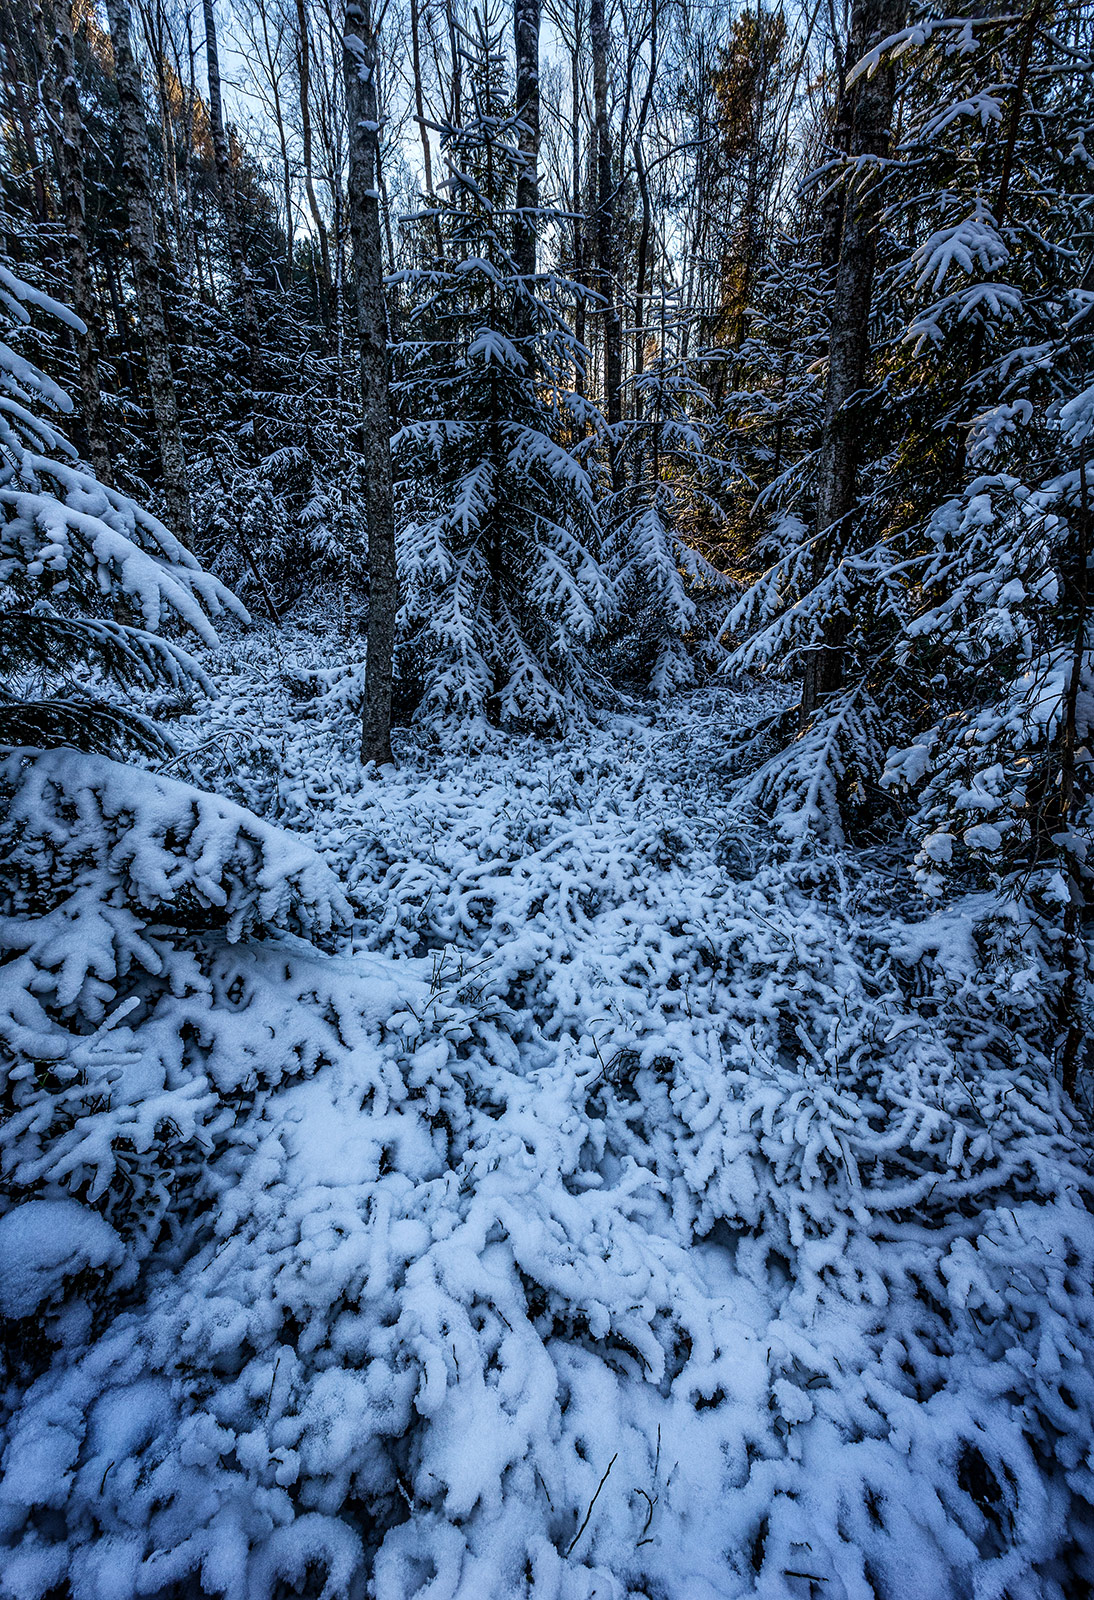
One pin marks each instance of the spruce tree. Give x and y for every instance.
(499, 526)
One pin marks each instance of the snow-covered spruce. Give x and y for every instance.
(88, 579)
(668, 599)
(664, 1221)
(122, 894)
(499, 532)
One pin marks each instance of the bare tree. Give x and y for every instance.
(360, 59)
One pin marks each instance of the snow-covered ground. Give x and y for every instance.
(623, 1209)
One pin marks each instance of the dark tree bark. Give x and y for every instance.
(142, 243)
(605, 231)
(871, 101)
(60, 86)
(360, 65)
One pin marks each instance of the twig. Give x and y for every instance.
(592, 1503)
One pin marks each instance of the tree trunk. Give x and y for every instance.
(577, 196)
(283, 145)
(605, 240)
(60, 86)
(21, 70)
(419, 109)
(304, 75)
(526, 34)
(642, 265)
(1072, 1022)
(142, 243)
(640, 291)
(360, 64)
(227, 193)
(871, 112)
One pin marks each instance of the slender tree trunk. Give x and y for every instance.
(577, 197)
(360, 64)
(229, 204)
(279, 121)
(20, 64)
(849, 336)
(605, 233)
(142, 242)
(526, 36)
(304, 74)
(832, 205)
(60, 86)
(1072, 1028)
(640, 291)
(189, 256)
(419, 109)
(642, 264)
(455, 90)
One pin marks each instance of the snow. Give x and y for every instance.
(627, 1206)
(45, 1242)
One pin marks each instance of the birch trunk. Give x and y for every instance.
(360, 65)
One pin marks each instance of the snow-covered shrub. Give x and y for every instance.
(125, 896)
(651, 1229)
(126, 1056)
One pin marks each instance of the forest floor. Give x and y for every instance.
(641, 1230)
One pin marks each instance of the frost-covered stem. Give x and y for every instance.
(229, 204)
(63, 90)
(1075, 954)
(142, 242)
(526, 37)
(360, 66)
(872, 97)
(605, 217)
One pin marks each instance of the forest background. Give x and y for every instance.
(720, 371)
